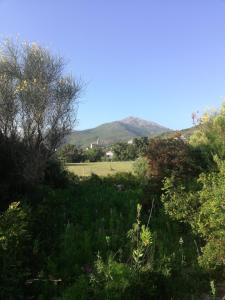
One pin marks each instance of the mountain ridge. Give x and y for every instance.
(122, 130)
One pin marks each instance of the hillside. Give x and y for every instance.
(122, 130)
(184, 132)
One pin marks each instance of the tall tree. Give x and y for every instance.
(37, 101)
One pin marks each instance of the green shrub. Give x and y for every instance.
(141, 168)
(14, 251)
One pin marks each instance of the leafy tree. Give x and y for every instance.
(37, 102)
(140, 167)
(174, 157)
(123, 151)
(210, 134)
(94, 154)
(211, 217)
(141, 145)
(71, 153)
(203, 209)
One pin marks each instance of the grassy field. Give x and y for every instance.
(100, 168)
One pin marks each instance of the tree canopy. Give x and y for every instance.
(37, 101)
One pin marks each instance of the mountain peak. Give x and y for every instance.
(122, 130)
(138, 122)
(130, 119)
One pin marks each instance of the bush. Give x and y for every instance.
(14, 251)
(71, 154)
(174, 157)
(56, 176)
(141, 169)
(94, 155)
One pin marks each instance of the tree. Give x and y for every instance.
(210, 134)
(37, 102)
(71, 153)
(124, 151)
(141, 145)
(174, 157)
(203, 209)
(140, 168)
(94, 154)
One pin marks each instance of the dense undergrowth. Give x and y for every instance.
(157, 235)
(83, 241)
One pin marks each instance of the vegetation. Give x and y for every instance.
(71, 154)
(37, 105)
(155, 234)
(141, 168)
(122, 151)
(100, 168)
(125, 151)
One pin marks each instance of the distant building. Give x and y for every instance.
(130, 142)
(109, 154)
(97, 144)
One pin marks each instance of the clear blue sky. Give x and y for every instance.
(155, 59)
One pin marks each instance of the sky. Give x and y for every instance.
(159, 60)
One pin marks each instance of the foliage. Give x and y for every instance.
(124, 151)
(203, 209)
(37, 103)
(174, 157)
(211, 217)
(95, 154)
(180, 203)
(11, 169)
(71, 154)
(14, 249)
(112, 279)
(141, 239)
(56, 175)
(78, 290)
(210, 133)
(69, 226)
(140, 167)
(50, 240)
(141, 145)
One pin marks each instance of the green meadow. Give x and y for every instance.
(100, 168)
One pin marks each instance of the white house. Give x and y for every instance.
(109, 154)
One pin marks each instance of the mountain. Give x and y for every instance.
(122, 130)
